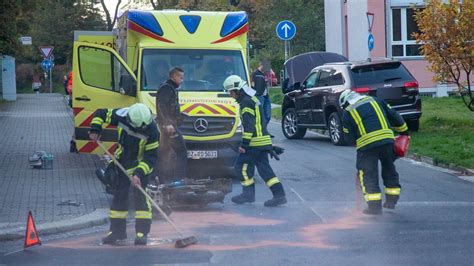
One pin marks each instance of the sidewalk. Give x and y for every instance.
(43, 122)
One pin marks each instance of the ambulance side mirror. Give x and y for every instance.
(128, 86)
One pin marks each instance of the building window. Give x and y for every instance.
(403, 44)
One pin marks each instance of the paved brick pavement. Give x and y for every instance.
(43, 122)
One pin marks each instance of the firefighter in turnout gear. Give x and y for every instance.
(137, 151)
(369, 122)
(255, 147)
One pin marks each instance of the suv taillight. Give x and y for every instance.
(411, 86)
(362, 90)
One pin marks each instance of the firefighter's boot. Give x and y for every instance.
(117, 231)
(279, 197)
(390, 201)
(141, 239)
(374, 207)
(112, 238)
(248, 195)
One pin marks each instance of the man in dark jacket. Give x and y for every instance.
(369, 122)
(259, 84)
(255, 147)
(137, 151)
(168, 116)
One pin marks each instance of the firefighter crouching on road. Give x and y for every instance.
(168, 117)
(370, 121)
(255, 147)
(137, 151)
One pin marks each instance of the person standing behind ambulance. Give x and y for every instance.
(259, 84)
(168, 117)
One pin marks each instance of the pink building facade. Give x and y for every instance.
(347, 29)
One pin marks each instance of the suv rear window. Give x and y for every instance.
(379, 73)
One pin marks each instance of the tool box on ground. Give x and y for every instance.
(41, 159)
(190, 192)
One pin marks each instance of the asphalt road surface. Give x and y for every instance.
(322, 223)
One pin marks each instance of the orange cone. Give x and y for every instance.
(31, 238)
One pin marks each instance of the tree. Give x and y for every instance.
(446, 35)
(110, 21)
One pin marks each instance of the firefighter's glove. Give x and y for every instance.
(275, 151)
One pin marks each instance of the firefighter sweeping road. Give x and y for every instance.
(433, 223)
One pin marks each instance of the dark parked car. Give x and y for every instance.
(314, 102)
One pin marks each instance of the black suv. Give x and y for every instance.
(314, 104)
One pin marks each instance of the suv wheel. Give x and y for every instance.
(289, 125)
(335, 130)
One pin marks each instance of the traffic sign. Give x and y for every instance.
(286, 30)
(46, 65)
(46, 51)
(26, 40)
(370, 42)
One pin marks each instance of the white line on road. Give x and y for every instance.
(305, 203)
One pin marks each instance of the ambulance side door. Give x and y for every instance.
(101, 79)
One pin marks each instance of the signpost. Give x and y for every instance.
(370, 38)
(48, 63)
(286, 30)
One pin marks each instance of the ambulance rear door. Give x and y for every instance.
(101, 79)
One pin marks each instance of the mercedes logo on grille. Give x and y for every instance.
(200, 125)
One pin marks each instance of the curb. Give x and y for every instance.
(97, 217)
(431, 161)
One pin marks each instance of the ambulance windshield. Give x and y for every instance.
(204, 70)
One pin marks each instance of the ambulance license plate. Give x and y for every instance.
(195, 155)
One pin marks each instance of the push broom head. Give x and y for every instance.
(184, 242)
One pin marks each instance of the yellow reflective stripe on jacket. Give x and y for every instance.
(372, 197)
(152, 146)
(272, 181)
(392, 191)
(247, 135)
(141, 149)
(142, 215)
(145, 167)
(248, 110)
(97, 121)
(118, 214)
(401, 128)
(258, 121)
(260, 141)
(382, 119)
(109, 116)
(374, 136)
(355, 115)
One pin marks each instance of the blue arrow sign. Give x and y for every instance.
(370, 42)
(286, 30)
(46, 65)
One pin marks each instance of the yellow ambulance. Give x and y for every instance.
(116, 69)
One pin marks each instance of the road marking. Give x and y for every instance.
(305, 203)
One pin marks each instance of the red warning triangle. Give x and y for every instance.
(31, 238)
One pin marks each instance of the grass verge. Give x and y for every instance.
(446, 132)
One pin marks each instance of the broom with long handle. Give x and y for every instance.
(180, 243)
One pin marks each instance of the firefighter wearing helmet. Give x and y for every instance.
(137, 151)
(369, 122)
(255, 147)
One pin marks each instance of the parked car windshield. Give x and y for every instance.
(379, 73)
(204, 70)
